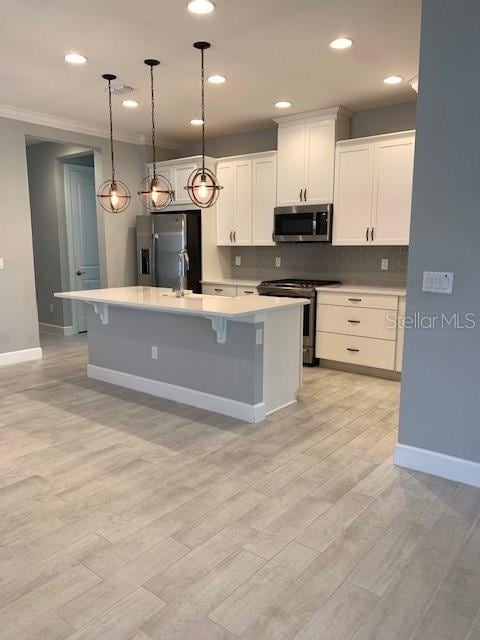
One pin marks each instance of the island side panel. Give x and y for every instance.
(283, 357)
(189, 358)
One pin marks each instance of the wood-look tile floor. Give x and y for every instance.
(126, 517)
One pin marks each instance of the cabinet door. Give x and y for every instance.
(353, 194)
(320, 161)
(392, 202)
(264, 199)
(291, 165)
(242, 210)
(225, 203)
(179, 175)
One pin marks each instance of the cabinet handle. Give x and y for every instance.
(218, 290)
(273, 236)
(353, 350)
(354, 321)
(234, 236)
(372, 234)
(304, 195)
(355, 299)
(248, 293)
(300, 196)
(366, 233)
(231, 237)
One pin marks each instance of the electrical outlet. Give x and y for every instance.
(2, 263)
(278, 261)
(154, 352)
(384, 264)
(50, 307)
(238, 261)
(259, 337)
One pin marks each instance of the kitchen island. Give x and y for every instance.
(240, 357)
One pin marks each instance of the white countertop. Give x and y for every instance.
(233, 281)
(159, 299)
(354, 288)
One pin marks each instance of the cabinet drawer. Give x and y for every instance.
(367, 352)
(356, 321)
(247, 291)
(229, 290)
(371, 300)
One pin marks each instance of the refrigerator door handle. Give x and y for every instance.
(154, 259)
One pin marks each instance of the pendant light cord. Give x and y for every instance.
(111, 127)
(152, 93)
(203, 109)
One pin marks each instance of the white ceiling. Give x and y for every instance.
(268, 49)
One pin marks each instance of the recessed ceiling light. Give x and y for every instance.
(217, 79)
(75, 58)
(197, 122)
(283, 104)
(393, 80)
(130, 104)
(341, 43)
(201, 7)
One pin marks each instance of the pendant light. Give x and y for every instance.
(202, 186)
(155, 191)
(113, 195)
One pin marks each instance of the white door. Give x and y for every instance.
(320, 161)
(392, 189)
(352, 203)
(242, 211)
(83, 245)
(225, 204)
(179, 175)
(264, 195)
(291, 165)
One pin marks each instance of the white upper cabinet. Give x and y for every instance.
(373, 190)
(353, 194)
(392, 190)
(264, 198)
(178, 171)
(247, 200)
(306, 156)
(291, 165)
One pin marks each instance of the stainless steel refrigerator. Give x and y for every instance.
(161, 238)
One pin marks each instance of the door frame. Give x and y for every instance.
(68, 169)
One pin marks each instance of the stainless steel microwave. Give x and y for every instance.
(307, 223)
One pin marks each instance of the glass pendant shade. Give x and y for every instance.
(202, 187)
(113, 195)
(155, 191)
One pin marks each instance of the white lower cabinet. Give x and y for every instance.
(359, 328)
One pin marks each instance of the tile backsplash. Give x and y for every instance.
(351, 265)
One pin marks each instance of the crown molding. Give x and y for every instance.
(56, 122)
(318, 114)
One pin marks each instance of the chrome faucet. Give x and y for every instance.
(183, 267)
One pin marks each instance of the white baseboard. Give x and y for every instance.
(13, 357)
(57, 329)
(200, 399)
(438, 464)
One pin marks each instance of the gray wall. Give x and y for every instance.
(18, 316)
(47, 204)
(397, 117)
(440, 404)
(351, 265)
(372, 122)
(125, 344)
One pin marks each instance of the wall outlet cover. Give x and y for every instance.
(384, 264)
(238, 261)
(278, 261)
(50, 307)
(154, 352)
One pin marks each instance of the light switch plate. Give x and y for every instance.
(384, 264)
(154, 352)
(2, 263)
(238, 261)
(437, 282)
(278, 261)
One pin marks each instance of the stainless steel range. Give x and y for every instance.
(293, 288)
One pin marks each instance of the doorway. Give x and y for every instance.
(65, 230)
